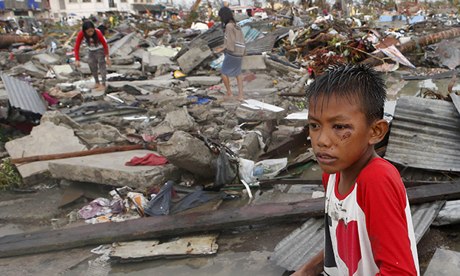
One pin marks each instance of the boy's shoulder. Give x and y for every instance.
(377, 168)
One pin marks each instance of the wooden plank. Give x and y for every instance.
(184, 247)
(198, 222)
(156, 227)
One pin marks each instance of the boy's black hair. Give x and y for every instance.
(353, 82)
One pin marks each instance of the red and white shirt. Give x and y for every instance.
(369, 230)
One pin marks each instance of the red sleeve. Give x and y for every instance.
(77, 45)
(382, 197)
(101, 38)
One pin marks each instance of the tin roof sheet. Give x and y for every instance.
(425, 134)
(305, 242)
(22, 95)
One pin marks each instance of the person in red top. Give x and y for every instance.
(98, 57)
(368, 224)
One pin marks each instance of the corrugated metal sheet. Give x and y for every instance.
(305, 242)
(265, 44)
(22, 95)
(425, 134)
(301, 245)
(456, 99)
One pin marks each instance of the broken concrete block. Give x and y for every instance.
(252, 63)
(62, 71)
(193, 57)
(46, 59)
(125, 46)
(123, 68)
(29, 68)
(46, 138)
(180, 120)
(110, 169)
(162, 51)
(161, 129)
(189, 153)
(250, 149)
(444, 262)
(58, 118)
(125, 60)
(203, 80)
(97, 134)
(246, 114)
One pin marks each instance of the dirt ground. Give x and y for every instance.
(245, 250)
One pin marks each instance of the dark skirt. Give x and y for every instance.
(232, 65)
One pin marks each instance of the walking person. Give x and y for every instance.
(98, 52)
(235, 49)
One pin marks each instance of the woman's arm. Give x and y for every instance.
(77, 45)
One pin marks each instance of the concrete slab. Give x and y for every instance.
(203, 80)
(46, 59)
(110, 169)
(252, 63)
(189, 153)
(47, 138)
(62, 71)
(444, 262)
(193, 57)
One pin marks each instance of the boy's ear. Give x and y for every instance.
(379, 129)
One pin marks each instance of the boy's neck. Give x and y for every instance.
(348, 176)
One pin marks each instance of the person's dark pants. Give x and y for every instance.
(97, 61)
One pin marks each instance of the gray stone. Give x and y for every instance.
(247, 114)
(110, 169)
(252, 63)
(62, 71)
(160, 129)
(250, 148)
(444, 262)
(96, 134)
(180, 120)
(225, 135)
(59, 118)
(46, 59)
(125, 60)
(30, 69)
(203, 80)
(189, 153)
(193, 57)
(157, 82)
(46, 138)
(125, 46)
(124, 68)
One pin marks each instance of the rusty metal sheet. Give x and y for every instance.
(305, 242)
(425, 134)
(22, 95)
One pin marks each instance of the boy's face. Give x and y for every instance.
(340, 134)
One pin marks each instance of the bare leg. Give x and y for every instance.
(226, 81)
(239, 80)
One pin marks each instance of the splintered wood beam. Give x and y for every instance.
(191, 223)
(156, 227)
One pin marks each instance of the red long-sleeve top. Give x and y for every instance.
(92, 45)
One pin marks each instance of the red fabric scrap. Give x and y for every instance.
(150, 159)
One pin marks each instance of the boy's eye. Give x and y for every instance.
(313, 126)
(341, 127)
